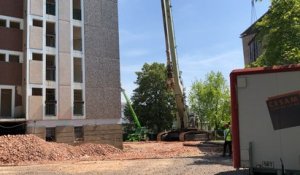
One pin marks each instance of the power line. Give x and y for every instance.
(253, 12)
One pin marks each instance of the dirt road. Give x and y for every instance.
(136, 158)
(181, 166)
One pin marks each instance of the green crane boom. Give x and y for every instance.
(135, 118)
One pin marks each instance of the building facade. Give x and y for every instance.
(60, 70)
(251, 46)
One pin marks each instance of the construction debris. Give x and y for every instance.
(28, 149)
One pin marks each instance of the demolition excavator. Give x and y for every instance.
(175, 83)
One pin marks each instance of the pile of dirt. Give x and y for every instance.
(29, 148)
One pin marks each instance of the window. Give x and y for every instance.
(50, 68)
(50, 34)
(37, 92)
(77, 41)
(37, 57)
(50, 135)
(76, 10)
(78, 133)
(254, 47)
(2, 23)
(37, 23)
(77, 70)
(14, 59)
(50, 7)
(14, 25)
(78, 102)
(50, 102)
(2, 57)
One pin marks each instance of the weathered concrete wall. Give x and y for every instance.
(102, 65)
(246, 48)
(65, 134)
(38, 131)
(36, 7)
(65, 108)
(102, 60)
(36, 38)
(35, 107)
(35, 72)
(104, 134)
(64, 63)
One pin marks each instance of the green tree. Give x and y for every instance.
(152, 102)
(210, 100)
(279, 33)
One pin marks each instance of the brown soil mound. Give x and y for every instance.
(29, 148)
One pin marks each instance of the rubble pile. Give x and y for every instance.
(29, 148)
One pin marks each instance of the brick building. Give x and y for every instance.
(252, 48)
(60, 70)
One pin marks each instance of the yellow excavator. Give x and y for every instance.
(174, 82)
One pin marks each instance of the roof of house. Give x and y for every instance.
(251, 29)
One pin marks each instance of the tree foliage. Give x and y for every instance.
(210, 100)
(152, 102)
(279, 33)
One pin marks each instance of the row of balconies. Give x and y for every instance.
(36, 69)
(50, 38)
(50, 106)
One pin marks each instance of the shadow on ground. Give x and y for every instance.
(237, 172)
(213, 155)
(212, 159)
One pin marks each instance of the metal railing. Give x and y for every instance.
(50, 40)
(77, 14)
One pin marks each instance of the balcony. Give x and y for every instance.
(50, 108)
(50, 8)
(77, 10)
(78, 103)
(50, 73)
(50, 34)
(50, 103)
(77, 44)
(77, 14)
(77, 70)
(50, 40)
(78, 108)
(77, 39)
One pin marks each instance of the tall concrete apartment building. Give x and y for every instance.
(60, 70)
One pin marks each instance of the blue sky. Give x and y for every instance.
(207, 36)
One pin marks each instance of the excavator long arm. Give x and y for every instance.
(174, 79)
